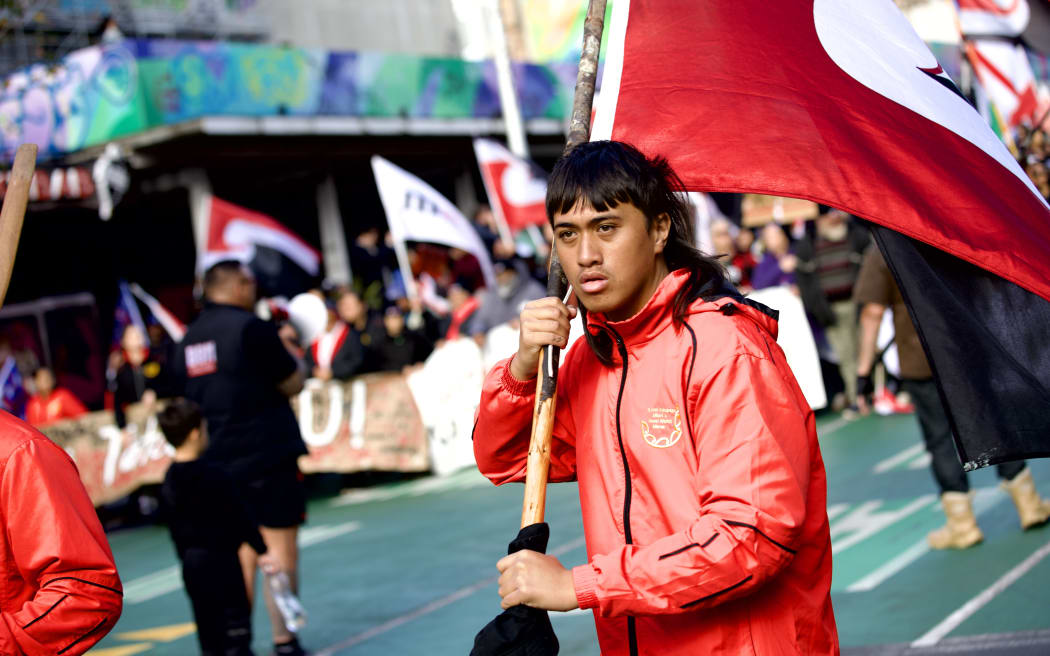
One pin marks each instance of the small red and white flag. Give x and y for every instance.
(234, 232)
(517, 188)
(175, 328)
(993, 17)
(1006, 75)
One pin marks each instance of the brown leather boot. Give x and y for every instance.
(961, 531)
(1032, 509)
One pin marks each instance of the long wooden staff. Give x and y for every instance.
(14, 211)
(547, 377)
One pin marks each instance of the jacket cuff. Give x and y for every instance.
(585, 580)
(513, 385)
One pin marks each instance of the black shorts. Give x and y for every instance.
(278, 496)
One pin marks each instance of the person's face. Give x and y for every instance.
(45, 382)
(245, 288)
(350, 308)
(485, 217)
(394, 323)
(457, 296)
(744, 240)
(774, 239)
(721, 240)
(134, 345)
(612, 259)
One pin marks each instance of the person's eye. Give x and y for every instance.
(566, 235)
(606, 228)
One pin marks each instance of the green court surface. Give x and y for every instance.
(409, 568)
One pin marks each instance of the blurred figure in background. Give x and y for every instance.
(876, 290)
(514, 288)
(241, 374)
(373, 261)
(777, 266)
(464, 305)
(739, 264)
(354, 356)
(829, 259)
(337, 353)
(140, 378)
(49, 403)
(397, 346)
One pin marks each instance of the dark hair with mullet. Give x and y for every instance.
(604, 174)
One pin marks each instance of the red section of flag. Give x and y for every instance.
(234, 231)
(991, 6)
(518, 216)
(516, 188)
(749, 97)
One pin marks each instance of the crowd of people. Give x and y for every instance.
(819, 261)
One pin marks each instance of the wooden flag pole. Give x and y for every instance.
(14, 211)
(547, 377)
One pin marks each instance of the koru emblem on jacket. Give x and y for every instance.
(664, 427)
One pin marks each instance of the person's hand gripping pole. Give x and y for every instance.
(539, 458)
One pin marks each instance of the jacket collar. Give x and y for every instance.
(648, 322)
(656, 315)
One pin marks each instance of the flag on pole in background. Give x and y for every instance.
(841, 103)
(516, 187)
(415, 211)
(282, 261)
(126, 314)
(993, 17)
(1007, 78)
(171, 324)
(13, 395)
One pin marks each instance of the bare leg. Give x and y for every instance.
(283, 545)
(248, 559)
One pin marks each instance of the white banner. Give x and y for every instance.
(416, 212)
(796, 339)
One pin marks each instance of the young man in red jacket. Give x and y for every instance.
(61, 592)
(700, 477)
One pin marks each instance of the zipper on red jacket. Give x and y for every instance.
(632, 636)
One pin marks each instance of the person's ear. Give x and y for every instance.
(659, 230)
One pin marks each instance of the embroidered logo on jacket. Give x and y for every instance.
(664, 427)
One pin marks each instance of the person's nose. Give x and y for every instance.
(589, 253)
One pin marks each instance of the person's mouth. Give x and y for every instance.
(593, 283)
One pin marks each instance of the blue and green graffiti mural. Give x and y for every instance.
(105, 92)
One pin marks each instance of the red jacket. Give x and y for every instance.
(700, 478)
(59, 590)
(60, 404)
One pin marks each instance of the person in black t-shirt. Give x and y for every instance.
(208, 523)
(239, 371)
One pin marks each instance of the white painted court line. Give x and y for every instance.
(837, 509)
(153, 585)
(898, 458)
(312, 535)
(169, 579)
(435, 605)
(950, 623)
(832, 426)
(865, 522)
(466, 478)
(987, 498)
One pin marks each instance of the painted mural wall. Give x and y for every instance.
(104, 92)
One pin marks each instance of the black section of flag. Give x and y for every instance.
(988, 342)
(278, 275)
